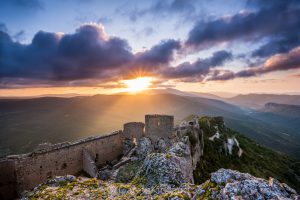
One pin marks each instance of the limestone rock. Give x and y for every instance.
(230, 184)
(160, 169)
(144, 147)
(58, 180)
(104, 174)
(195, 135)
(161, 145)
(224, 184)
(172, 168)
(128, 144)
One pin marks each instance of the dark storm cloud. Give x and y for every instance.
(278, 21)
(280, 44)
(221, 75)
(86, 53)
(199, 68)
(158, 55)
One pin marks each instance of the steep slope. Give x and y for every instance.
(26, 123)
(257, 101)
(290, 111)
(165, 172)
(245, 156)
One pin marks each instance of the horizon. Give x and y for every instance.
(143, 92)
(96, 47)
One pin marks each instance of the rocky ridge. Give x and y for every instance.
(166, 169)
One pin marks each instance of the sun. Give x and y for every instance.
(137, 84)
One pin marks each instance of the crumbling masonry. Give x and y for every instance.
(24, 172)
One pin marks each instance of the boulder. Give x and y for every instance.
(231, 184)
(144, 147)
(128, 144)
(171, 168)
(161, 145)
(104, 174)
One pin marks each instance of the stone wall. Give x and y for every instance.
(88, 164)
(34, 168)
(159, 126)
(7, 180)
(133, 130)
(24, 172)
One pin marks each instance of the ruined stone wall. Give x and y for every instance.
(7, 180)
(134, 130)
(159, 126)
(38, 166)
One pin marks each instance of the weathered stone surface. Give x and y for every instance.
(195, 135)
(157, 126)
(159, 169)
(236, 186)
(172, 168)
(61, 159)
(144, 147)
(88, 164)
(104, 174)
(230, 184)
(133, 130)
(128, 144)
(58, 180)
(161, 145)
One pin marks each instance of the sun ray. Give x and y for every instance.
(137, 84)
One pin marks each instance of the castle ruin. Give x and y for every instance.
(25, 171)
(159, 126)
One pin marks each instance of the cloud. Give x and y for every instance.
(281, 44)
(104, 20)
(197, 70)
(221, 75)
(277, 20)
(87, 53)
(278, 62)
(3, 27)
(159, 9)
(159, 55)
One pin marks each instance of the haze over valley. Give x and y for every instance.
(172, 99)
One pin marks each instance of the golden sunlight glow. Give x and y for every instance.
(137, 84)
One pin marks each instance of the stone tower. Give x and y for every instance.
(159, 126)
(133, 130)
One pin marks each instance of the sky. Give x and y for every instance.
(92, 46)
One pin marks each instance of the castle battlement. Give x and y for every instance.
(25, 171)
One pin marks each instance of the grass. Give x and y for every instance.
(257, 160)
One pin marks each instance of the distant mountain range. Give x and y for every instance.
(258, 101)
(292, 111)
(24, 123)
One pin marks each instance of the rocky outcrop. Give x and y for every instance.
(144, 147)
(161, 145)
(230, 184)
(164, 169)
(224, 184)
(192, 130)
(172, 168)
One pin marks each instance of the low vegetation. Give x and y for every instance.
(256, 159)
